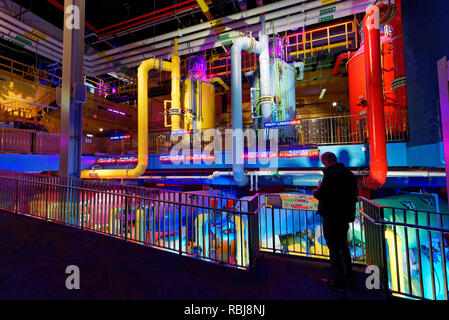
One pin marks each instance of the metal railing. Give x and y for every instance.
(173, 221)
(30, 73)
(307, 42)
(348, 129)
(300, 232)
(411, 249)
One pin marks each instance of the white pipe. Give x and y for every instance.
(281, 25)
(198, 27)
(249, 45)
(251, 176)
(48, 53)
(205, 36)
(27, 28)
(43, 40)
(265, 83)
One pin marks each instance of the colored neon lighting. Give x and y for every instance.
(106, 160)
(294, 153)
(122, 137)
(186, 158)
(127, 159)
(117, 112)
(302, 153)
(180, 132)
(283, 123)
(119, 160)
(261, 155)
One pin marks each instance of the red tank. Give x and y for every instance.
(357, 89)
(357, 79)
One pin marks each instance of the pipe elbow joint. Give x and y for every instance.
(377, 176)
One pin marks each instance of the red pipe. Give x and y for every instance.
(61, 7)
(146, 15)
(340, 58)
(150, 19)
(376, 115)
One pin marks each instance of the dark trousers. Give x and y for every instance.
(336, 234)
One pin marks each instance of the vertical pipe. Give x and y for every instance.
(249, 45)
(376, 117)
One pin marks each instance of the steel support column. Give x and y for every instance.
(72, 81)
(443, 78)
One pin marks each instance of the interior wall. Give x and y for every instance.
(425, 42)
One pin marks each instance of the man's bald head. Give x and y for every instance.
(328, 159)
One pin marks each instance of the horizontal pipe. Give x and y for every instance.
(142, 157)
(206, 37)
(281, 24)
(195, 28)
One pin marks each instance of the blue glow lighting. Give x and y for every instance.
(283, 123)
(121, 137)
(186, 158)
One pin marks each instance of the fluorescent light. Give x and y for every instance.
(322, 93)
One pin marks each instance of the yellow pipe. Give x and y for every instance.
(221, 82)
(142, 112)
(389, 236)
(205, 9)
(175, 109)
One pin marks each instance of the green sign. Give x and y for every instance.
(17, 43)
(223, 37)
(28, 42)
(226, 43)
(323, 19)
(328, 10)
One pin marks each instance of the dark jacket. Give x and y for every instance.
(337, 194)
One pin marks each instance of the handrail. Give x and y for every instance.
(385, 222)
(138, 196)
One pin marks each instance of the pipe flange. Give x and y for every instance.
(266, 99)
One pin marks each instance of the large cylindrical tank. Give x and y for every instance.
(394, 121)
(198, 97)
(282, 78)
(357, 79)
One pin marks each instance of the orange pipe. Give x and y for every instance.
(376, 115)
(340, 58)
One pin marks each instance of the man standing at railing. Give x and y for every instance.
(337, 194)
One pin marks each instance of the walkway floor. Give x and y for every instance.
(34, 255)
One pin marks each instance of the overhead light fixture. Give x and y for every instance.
(334, 104)
(322, 93)
(101, 129)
